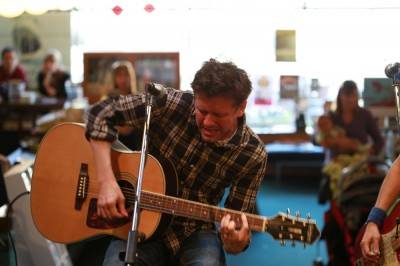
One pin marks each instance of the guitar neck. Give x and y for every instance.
(199, 211)
(282, 226)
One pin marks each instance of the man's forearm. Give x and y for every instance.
(101, 152)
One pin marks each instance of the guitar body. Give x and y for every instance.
(65, 187)
(389, 246)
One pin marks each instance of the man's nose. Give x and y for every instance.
(208, 120)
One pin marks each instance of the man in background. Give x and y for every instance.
(10, 69)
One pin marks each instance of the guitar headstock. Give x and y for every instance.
(293, 228)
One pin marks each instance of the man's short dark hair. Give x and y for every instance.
(222, 79)
(5, 50)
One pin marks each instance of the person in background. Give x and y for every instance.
(10, 69)
(51, 79)
(204, 134)
(124, 83)
(123, 79)
(357, 122)
(12, 76)
(359, 127)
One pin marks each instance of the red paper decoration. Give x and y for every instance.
(117, 10)
(149, 8)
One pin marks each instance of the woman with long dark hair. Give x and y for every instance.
(358, 123)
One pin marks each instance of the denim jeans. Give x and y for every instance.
(200, 249)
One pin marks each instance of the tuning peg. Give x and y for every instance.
(304, 245)
(298, 214)
(288, 211)
(282, 242)
(308, 216)
(293, 243)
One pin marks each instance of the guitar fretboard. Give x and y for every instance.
(180, 207)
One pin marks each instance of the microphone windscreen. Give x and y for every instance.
(392, 69)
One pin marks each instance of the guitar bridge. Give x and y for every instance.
(82, 187)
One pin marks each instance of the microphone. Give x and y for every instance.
(154, 89)
(392, 70)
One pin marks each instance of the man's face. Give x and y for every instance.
(217, 117)
(49, 65)
(9, 61)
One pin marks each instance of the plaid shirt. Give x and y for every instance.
(204, 169)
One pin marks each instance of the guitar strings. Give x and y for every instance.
(130, 197)
(197, 212)
(255, 222)
(149, 198)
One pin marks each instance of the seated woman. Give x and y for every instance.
(330, 135)
(51, 79)
(124, 83)
(123, 79)
(357, 122)
(351, 145)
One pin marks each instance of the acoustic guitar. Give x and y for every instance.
(65, 187)
(390, 242)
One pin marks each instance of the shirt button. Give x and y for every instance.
(191, 165)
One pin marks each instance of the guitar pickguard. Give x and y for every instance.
(94, 221)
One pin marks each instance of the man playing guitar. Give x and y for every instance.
(204, 134)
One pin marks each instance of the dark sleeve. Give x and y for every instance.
(61, 90)
(40, 79)
(374, 132)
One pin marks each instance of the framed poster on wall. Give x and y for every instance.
(161, 68)
(378, 92)
(289, 87)
(285, 46)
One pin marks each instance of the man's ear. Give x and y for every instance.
(242, 108)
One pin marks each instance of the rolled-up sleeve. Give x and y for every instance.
(103, 117)
(130, 110)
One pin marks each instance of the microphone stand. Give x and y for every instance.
(392, 71)
(396, 87)
(130, 255)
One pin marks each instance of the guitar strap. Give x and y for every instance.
(340, 221)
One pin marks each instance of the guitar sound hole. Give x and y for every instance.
(129, 191)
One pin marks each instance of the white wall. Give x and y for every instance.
(332, 44)
(52, 30)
